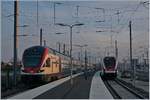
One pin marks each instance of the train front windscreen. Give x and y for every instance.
(32, 56)
(109, 61)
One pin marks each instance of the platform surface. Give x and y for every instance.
(30, 94)
(98, 89)
(91, 87)
(79, 90)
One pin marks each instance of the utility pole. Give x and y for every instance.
(118, 15)
(147, 55)
(37, 13)
(64, 46)
(71, 54)
(77, 13)
(44, 42)
(116, 49)
(132, 67)
(111, 44)
(90, 60)
(111, 40)
(79, 56)
(77, 18)
(41, 37)
(77, 10)
(85, 60)
(107, 51)
(15, 40)
(54, 13)
(59, 46)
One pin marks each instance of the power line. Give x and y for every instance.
(132, 15)
(37, 13)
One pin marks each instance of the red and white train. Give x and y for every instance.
(43, 64)
(109, 66)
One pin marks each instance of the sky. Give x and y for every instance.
(88, 13)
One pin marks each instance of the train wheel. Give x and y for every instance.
(52, 78)
(115, 75)
(56, 78)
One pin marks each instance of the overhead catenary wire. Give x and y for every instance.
(37, 21)
(80, 6)
(131, 15)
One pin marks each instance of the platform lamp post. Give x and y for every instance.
(70, 26)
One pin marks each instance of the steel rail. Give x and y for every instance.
(129, 89)
(133, 91)
(112, 90)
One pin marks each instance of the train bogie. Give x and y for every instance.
(30, 79)
(110, 74)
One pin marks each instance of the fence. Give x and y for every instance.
(7, 78)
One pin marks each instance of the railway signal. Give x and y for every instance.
(41, 36)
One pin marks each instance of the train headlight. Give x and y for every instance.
(104, 69)
(31, 71)
(22, 68)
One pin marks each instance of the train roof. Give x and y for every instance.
(53, 51)
(109, 57)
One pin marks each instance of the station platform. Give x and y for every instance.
(98, 89)
(82, 88)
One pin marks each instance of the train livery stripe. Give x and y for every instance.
(43, 57)
(37, 91)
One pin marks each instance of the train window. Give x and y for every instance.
(109, 61)
(48, 63)
(57, 63)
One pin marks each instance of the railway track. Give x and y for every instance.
(121, 90)
(139, 91)
(112, 90)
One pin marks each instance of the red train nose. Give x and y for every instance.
(31, 70)
(110, 68)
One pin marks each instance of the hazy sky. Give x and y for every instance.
(88, 14)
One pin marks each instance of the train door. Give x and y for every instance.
(59, 64)
(47, 66)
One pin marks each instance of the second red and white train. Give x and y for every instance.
(109, 67)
